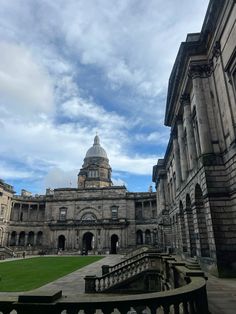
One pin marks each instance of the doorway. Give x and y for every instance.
(114, 243)
(88, 244)
(61, 242)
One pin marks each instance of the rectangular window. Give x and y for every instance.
(114, 212)
(63, 212)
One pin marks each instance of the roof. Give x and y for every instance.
(96, 150)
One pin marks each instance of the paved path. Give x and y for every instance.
(73, 284)
(221, 295)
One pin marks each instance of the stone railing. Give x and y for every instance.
(5, 252)
(106, 268)
(121, 272)
(190, 299)
(185, 292)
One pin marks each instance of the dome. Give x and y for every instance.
(96, 150)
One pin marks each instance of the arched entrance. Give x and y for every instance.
(13, 238)
(88, 242)
(61, 242)
(202, 223)
(114, 243)
(147, 236)
(139, 237)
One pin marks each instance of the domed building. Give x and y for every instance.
(96, 171)
(95, 217)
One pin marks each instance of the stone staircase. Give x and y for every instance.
(6, 252)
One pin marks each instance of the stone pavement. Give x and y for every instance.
(221, 295)
(73, 284)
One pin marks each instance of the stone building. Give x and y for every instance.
(196, 179)
(6, 194)
(95, 216)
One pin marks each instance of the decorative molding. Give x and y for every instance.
(185, 99)
(216, 52)
(202, 70)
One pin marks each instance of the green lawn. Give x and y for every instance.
(28, 274)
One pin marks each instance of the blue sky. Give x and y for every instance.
(72, 68)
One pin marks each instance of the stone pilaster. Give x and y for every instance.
(161, 193)
(182, 150)
(177, 162)
(198, 73)
(192, 153)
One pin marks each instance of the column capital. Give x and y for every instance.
(200, 70)
(216, 50)
(185, 99)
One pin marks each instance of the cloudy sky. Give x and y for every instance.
(69, 69)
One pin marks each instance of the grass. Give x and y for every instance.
(31, 273)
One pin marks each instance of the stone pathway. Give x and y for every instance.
(221, 295)
(73, 284)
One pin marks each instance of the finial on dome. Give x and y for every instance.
(96, 140)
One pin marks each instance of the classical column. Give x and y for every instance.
(182, 150)
(177, 162)
(192, 153)
(198, 73)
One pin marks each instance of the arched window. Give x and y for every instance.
(202, 223)
(182, 227)
(89, 217)
(31, 238)
(21, 239)
(39, 238)
(13, 238)
(147, 236)
(139, 237)
(192, 238)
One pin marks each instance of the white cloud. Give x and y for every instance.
(119, 182)
(80, 108)
(11, 172)
(25, 87)
(57, 178)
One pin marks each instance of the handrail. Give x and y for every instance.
(190, 298)
(129, 260)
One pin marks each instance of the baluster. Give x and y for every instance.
(153, 308)
(108, 281)
(113, 279)
(166, 309)
(103, 283)
(185, 306)
(98, 285)
(176, 307)
(192, 307)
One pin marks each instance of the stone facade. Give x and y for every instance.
(6, 193)
(196, 180)
(96, 216)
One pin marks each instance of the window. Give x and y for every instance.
(114, 212)
(93, 173)
(62, 214)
